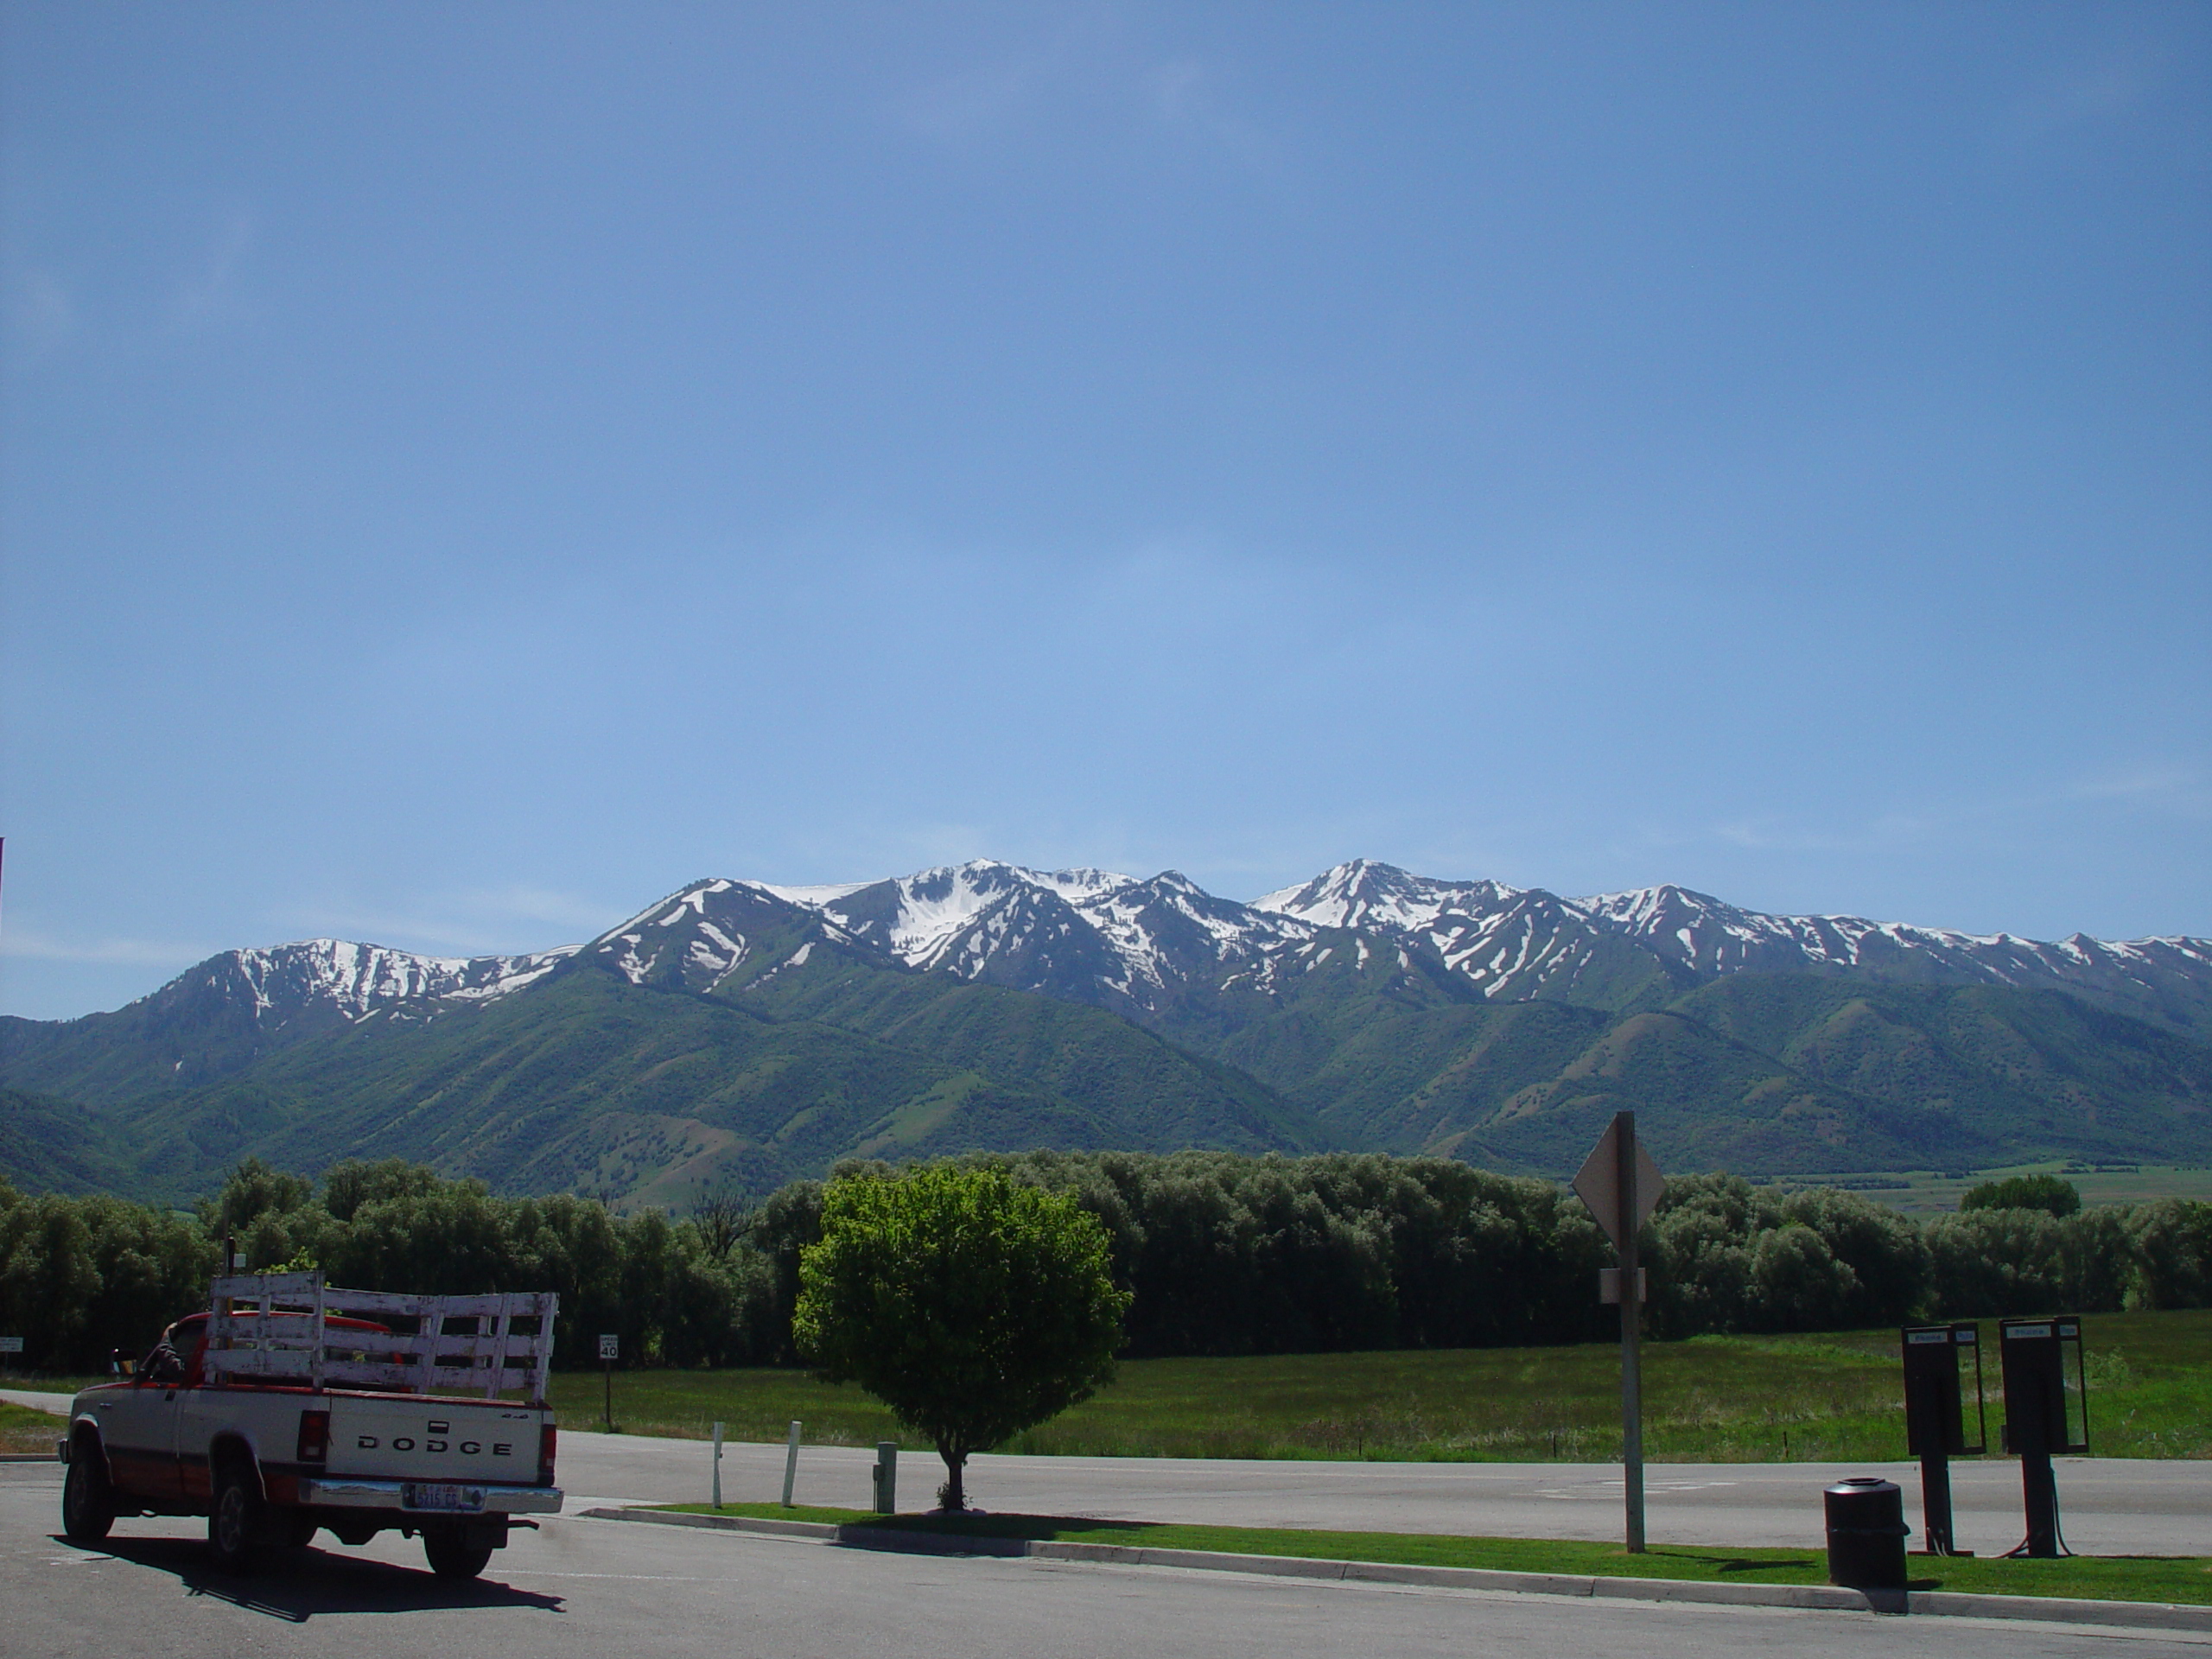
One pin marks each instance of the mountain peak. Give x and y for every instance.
(1366, 892)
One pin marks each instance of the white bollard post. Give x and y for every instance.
(790, 1463)
(718, 1466)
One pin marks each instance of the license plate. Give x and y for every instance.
(440, 1494)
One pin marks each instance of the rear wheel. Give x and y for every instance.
(237, 1521)
(451, 1555)
(87, 1500)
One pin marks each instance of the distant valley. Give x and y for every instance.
(738, 1033)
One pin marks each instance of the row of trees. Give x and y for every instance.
(80, 1277)
(1223, 1254)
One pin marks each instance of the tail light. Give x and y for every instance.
(314, 1437)
(546, 1436)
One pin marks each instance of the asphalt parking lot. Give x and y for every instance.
(592, 1587)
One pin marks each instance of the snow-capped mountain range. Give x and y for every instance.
(1145, 947)
(749, 1031)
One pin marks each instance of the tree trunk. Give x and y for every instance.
(952, 1497)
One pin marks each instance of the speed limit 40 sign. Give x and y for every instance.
(609, 1346)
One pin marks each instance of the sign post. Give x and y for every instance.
(1621, 1184)
(609, 1348)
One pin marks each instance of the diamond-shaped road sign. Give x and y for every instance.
(1597, 1183)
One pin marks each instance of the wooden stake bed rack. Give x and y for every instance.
(274, 1327)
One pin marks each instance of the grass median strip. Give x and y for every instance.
(2126, 1577)
(1838, 1395)
(23, 1430)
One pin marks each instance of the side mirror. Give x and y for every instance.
(120, 1363)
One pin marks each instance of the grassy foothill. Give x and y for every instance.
(1928, 1192)
(1710, 1398)
(2126, 1578)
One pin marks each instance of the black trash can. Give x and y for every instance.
(1866, 1533)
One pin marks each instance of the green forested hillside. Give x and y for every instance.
(589, 1082)
(57, 1145)
(1153, 1091)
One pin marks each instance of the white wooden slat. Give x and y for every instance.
(485, 1358)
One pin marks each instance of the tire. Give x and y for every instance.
(237, 1521)
(451, 1555)
(87, 1500)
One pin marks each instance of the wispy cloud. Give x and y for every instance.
(2116, 85)
(1183, 95)
(1882, 832)
(972, 102)
(209, 293)
(2153, 786)
(42, 313)
(34, 946)
(477, 922)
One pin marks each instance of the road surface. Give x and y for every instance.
(585, 1589)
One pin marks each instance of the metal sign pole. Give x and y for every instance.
(1632, 1323)
(1621, 1184)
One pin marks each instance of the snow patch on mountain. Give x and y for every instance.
(353, 979)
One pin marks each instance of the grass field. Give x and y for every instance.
(1927, 1192)
(1711, 1399)
(2127, 1578)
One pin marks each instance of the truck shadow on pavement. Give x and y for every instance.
(309, 1582)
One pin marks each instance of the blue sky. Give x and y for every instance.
(468, 470)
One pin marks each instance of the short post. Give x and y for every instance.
(718, 1466)
(887, 1477)
(790, 1463)
(2036, 1422)
(1935, 1500)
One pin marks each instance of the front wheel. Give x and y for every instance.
(236, 1521)
(87, 1500)
(451, 1555)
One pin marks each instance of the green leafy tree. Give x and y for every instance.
(2045, 1192)
(973, 1306)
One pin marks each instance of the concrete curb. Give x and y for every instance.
(2134, 1615)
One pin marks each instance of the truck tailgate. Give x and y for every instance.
(429, 1438)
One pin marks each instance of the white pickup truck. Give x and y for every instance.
(291, 1406)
